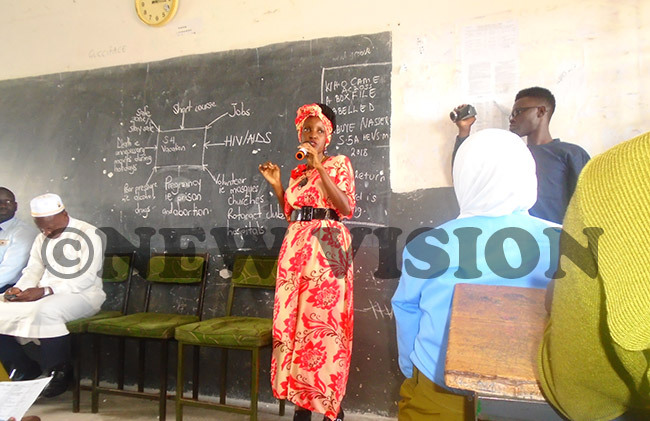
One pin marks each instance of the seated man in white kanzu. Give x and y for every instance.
(62, 282)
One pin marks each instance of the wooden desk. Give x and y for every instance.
(494, 337)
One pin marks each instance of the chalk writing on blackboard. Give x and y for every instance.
(176, 159)
(355, 92)
(172, 155)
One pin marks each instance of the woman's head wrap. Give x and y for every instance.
(494, 174)
(320, 111)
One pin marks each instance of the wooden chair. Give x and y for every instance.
(494, 337)
(118, 269)
(230, 332)
(164, 269)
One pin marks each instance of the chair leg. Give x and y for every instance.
(76, 375)
(224, 372)
(180, 365)
(94, 406)
(141, 357)
(120, 367)
(195, 375)
(255, 381)
(162, 408)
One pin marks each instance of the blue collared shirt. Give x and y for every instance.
(521, 251)
(16, 239)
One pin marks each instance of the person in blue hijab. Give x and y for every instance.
(494, 241)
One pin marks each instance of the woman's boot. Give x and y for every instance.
(301, 414)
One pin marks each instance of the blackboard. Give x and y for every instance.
(164, 154)
(92, 137)
(176, 143)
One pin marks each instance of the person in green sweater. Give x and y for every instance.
(594, 360)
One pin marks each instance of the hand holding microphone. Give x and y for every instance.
(301, 154)
(302, 151)
(307, 151)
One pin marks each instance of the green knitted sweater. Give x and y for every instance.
(595, 356)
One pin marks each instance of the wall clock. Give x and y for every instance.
(156, 12)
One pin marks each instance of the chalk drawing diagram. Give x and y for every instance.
(179, 150)
(185, 144)
(188, 147)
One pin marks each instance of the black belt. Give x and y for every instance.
(307, 213)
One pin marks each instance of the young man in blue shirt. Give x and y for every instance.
(558, 163)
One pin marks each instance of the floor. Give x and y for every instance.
(113, 408)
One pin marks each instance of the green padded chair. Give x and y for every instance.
(230, 332)
(164, 269)
(118, 268)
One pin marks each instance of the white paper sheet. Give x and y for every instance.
(17, 397)
(490, 71)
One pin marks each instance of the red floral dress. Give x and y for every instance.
(313, 312)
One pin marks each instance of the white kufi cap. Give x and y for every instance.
(46, 205)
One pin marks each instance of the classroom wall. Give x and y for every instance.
(592, 54)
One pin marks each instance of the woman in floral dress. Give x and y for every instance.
(313, 313)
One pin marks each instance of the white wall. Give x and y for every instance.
(594, 55)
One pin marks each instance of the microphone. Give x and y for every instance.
(301, 154)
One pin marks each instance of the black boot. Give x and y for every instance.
(61, 379)
(15, 360)
(301, 414)
(30, 372)
(339, 417)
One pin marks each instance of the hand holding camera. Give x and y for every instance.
(464, 116)
(462, 112)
